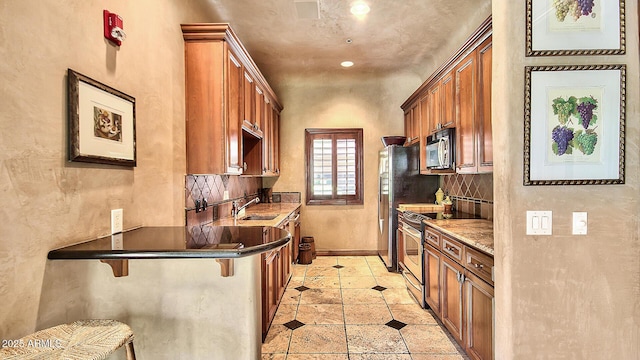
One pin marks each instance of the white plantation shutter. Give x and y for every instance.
(334, 171)
(346, 167)
(322, 167)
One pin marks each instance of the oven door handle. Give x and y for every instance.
(408, 279)
(411, 231)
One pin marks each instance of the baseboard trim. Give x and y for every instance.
(347, 252)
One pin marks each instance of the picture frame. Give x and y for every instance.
(101, 121)
(574, 127)
(569, 30)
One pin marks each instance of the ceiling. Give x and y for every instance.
(396, 34)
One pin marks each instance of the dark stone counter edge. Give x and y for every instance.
(62, 254)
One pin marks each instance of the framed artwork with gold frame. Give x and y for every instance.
(575, 27)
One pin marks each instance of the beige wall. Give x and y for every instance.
(562, 296)
(48, 202)
(327, 101)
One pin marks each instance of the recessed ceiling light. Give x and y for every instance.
(360, 8)
(347, 64)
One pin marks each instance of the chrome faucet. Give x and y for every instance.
(235, 210)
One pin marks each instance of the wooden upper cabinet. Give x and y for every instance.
(223, 117)
(447, 100)
(465, 113)
(473, 112)
(260, 104)
(425, 125)
(412, 124)
(271, 129)
(212, 127)
(235, 112)
(458, 95)
(485, 138)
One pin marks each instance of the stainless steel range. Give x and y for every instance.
(411, 253)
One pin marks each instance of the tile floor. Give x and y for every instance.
(351, 307)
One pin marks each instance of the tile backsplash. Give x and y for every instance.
(212, 188)
(470, 193)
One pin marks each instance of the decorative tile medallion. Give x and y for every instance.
(338, 266)
(294, 324)
(302, 288)
(396, 324)
(379, 288)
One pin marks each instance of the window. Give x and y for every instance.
(334, 166)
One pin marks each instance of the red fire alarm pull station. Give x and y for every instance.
(113, 28)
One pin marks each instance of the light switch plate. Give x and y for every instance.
(579, 223)
(539, 222)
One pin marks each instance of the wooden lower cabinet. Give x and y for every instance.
(451, 291)
(270, 288)
(276, 272)
(458, 282)
(432, 277)
(479, 308)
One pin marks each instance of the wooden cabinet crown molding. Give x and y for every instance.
(483, 31)
(224, 32)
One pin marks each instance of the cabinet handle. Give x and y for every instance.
(478, 266)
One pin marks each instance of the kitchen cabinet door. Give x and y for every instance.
(275, 141)
(270, 289)
(432, 278)
(479, 311)
(433, 107)
(447, 100)
(485, 138)
(212, 131)
(473, 112)
(271, 140)
(466, 155)
(412, 125)
(235, 112)
(249, 100)
(260, 105)
(452, 276)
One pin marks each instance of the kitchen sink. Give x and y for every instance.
(260, 217)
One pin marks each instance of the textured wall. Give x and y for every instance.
(48, 202)
(371, 103)
(562, 296)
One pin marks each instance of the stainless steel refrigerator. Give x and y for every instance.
(399, 182)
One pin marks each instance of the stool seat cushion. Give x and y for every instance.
(84, 339)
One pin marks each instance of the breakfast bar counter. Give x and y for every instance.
(176, 242)
(186, 292)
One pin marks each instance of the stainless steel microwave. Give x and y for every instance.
(441, 150)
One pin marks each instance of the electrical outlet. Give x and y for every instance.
(116, 221)
(225, 195)
(117, 242)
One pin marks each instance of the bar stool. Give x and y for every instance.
(84, 339)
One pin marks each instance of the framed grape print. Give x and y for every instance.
(574, 127)
(575, 27)
(102, 122)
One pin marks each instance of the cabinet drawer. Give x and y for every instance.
(431, 237)
(480, 264)
(452, 248)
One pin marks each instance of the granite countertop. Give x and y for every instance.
(477, 233)
(174, 242)
(280, 210)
